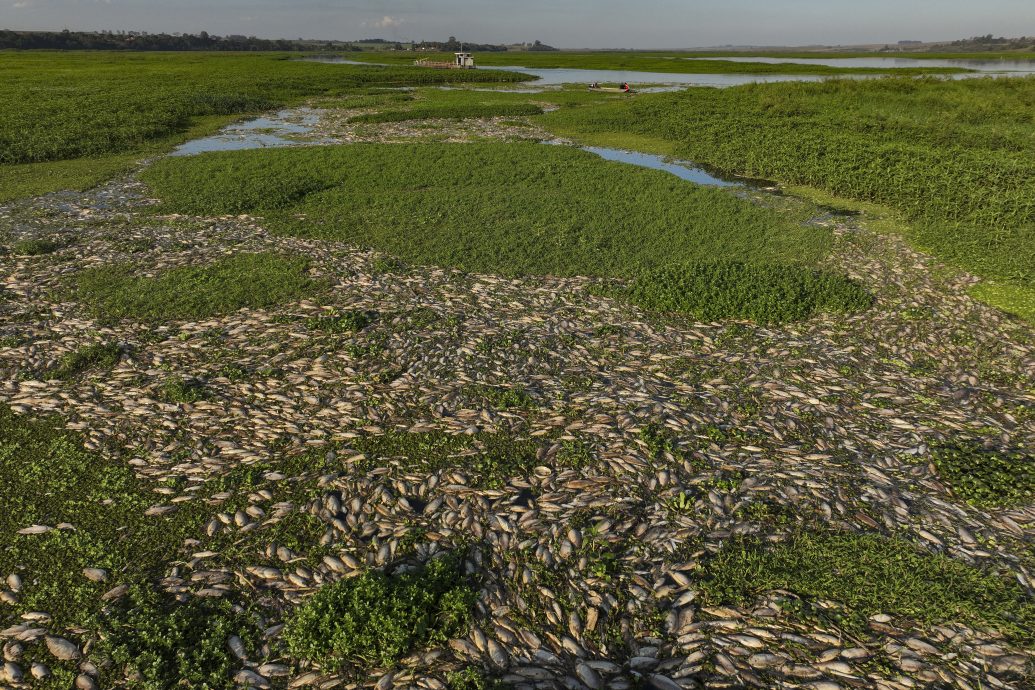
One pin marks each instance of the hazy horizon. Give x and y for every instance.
(561, 23)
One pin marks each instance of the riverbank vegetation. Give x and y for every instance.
(114, 108)
(954, 158)
(646, 61)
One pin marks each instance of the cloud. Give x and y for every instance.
(385, 22)
(21, 5)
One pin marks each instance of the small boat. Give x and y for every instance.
(625, 88)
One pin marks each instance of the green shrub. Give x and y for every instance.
(165, 643)
(376, 619)
(869, 574)
(764, 293)
(986, 478)
(194, 292)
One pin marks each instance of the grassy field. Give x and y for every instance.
(87, 116)
(954, 158)
(671, 62)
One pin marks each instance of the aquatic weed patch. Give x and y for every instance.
(36, 247)
(73, 105)
(505, 208)
(986, 477)
(488, 459)
(869, 574)
(377, 618)
(49, 478)
(764, 293)
(164, 643)
(243, 280)
(954, 157)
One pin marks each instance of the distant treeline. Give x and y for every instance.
(141, 40)
(88, 40)
(978, 43)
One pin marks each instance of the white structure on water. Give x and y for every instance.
(464, 60)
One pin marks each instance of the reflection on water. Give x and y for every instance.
(683, 170)
(262, 132)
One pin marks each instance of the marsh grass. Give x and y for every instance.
(869, 574)
(377, 618)
(74, 105)
(254, 281)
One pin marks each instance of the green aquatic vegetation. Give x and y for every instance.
(349, 321)
(184, 390)
(505, 398)
(451, 112)
(73, 105)
(644, 61)
(378, 618)
(166, 643)
(953, 158)
(764, 293)
(505, 208)
(488, 459)
(91, 357)
(255, 281)
(472, 678)
(985, 477)
(869, 574)
(49, 478)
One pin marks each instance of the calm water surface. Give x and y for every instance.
(986, 65)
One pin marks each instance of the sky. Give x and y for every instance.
(561, 23)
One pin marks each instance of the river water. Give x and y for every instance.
(659, 81)
(994, 65)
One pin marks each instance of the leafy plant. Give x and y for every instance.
(340, 322)
(377, 618)
(157, 642)
(984, 477)
(181, 390)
